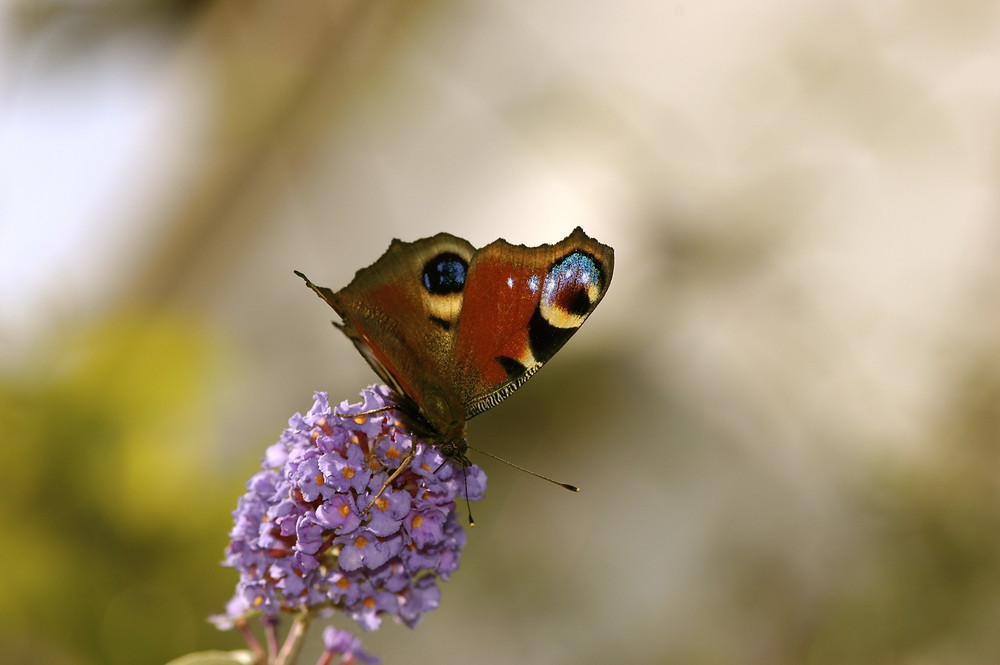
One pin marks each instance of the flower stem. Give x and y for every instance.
(252, 641)
(289, 653)
(271, 636)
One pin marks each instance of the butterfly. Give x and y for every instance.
(454, 330)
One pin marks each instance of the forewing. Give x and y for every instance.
(521, 305)
(403, 325)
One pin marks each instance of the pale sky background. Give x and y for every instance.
(84, 147)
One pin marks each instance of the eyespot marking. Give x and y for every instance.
(445, 274)
(571, 288)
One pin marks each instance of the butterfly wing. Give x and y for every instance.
(454, 331)
(401, 312)
(520, 305)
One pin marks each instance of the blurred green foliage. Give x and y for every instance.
(115, 508)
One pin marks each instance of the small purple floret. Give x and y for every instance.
(342, 642)
(302, 538)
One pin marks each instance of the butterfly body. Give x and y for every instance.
(454, 330)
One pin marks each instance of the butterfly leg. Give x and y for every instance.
(405, 462)
(381, 409)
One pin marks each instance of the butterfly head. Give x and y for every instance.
(436, 424)
(447, 419)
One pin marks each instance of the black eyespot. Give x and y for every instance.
(445, 273)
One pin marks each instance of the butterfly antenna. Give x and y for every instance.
(571, 488)
(349, 416)
(465, 479)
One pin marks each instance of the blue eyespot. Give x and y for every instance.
(570, 289)
(445, 274)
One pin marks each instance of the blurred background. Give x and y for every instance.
(785, 416)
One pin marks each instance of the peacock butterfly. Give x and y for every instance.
(454, 330)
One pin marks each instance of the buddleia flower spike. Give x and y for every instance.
(303, 543)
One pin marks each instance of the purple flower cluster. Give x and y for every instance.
(302, 540)
(343, 643)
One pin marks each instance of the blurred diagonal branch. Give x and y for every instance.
(283, 72)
